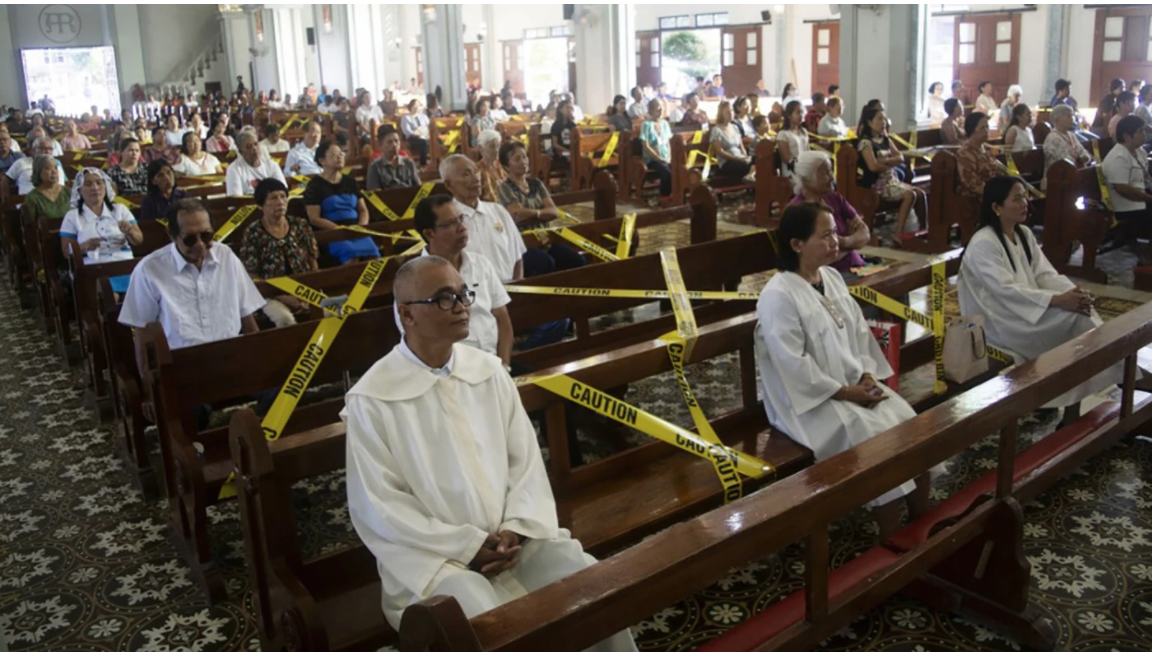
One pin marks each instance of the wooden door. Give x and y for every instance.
(511, 65)
(826, 46)
(986, 50)
(473, 65)
(740, 59)
(420, 67)
(648, 58)
(1121, 48)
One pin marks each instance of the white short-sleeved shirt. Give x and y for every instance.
(1120, 167)
(494, 234)
(281, 146)
(241, 178)
(367, 114)
(190, 167)
(193, 306)
(21, 172)
(175, 138)
(303, 155)
(83, 224)
(478, 273)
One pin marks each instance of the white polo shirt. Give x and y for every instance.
(193, 306)
(494, 234)
(1120, 167)
(241, 178)
(480, 276)
(82, 224)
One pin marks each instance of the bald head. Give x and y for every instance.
(427, 323)
(417, 278)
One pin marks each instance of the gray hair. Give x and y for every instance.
(1014, 90)
(245, 134)
(488, 136)
(449, 163)
(39, 163)
(1062, 111)
(806, 165)
(43, 141)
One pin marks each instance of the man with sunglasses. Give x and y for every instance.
(198, 293)
(445, 480)
(443, 227)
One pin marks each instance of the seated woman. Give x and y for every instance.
(482, 119)
(985, 103)
(935, 105)
(619, 117)
(743, 117)
(433, 106)
(951, 129)
(813, 183)
(332, 198)
(1061, 143)
(48, 199)
(528, 202)
(105, 230)
(72, 139)
(415, 128)
(1029, 307)
(818, 360)
(726, 144)
(655, 136)
(219, 142)
(876, 168)
(278, 245)
(158, 149)
(492, 173)
(693, 116)
(1019, 136)
(832, 124)
(792, 139)
(976, 166)
(130, 175)
(561, 132)
(194, 160)
(162, 190)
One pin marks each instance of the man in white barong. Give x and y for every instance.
(1028, 306)
(818, 360)
(446, 483)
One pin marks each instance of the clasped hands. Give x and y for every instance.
(866, 393)
(498, 554)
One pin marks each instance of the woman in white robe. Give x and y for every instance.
(1029, 307)
(818, 360)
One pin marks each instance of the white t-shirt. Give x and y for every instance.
(83, 225)
(174, 138)
(1120, 167)
(241, 178)
(281, 146)
(494, 234)
(190, 167)
(366, 114)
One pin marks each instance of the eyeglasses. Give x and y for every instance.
(447, 300)
(459, 220)
(190, 240)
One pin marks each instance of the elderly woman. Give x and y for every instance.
(130, 175)
(528, 202)
(655, 136)
(952, 129)
(482, 119)
(693, 115)
(725, 140)
(792, 139)
(173, 132)
(162, 191)
(251, 167)
(196, 126)
(194, 160)
(21, 172)
(492, 173)
(333, 198)
(105, 230)
(1019, 137)
(278, 245)
(391, 169)
(218, 140)
(818, 360)
(879, 159)
(48, 199)
(72, 139)
(1006, 111)
(832, 124)
(1029, 307)
(813, 183)
(415, 128)
(976, 166)
(935, 104)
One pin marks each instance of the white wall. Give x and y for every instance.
(332, 50)
(172, 35)
(264, 65)
(1080, 54)
(513, 20)
(11, 80)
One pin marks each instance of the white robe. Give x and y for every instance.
(804, 358)
(435, 463)
(1016, 305)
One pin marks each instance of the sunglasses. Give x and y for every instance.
(190, 240)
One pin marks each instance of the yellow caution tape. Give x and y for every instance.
(299, 290)
(908, 146)
(1011, 167)
(238, 217)
(697, 137)
(125, 202)
(610, 148)
(288, 124)
(451, 140)
(299, 191)
(380, 205)
(625, 240)
(938, 307)
(422, 194)
(655, 294)
(365, 231)
(542, 234)
(1102, 187)
(999, 354)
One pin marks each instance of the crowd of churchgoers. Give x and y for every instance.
(445, 384)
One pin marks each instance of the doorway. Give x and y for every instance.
(74, 78)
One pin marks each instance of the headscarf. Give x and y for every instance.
(109, 187)
(805, 165)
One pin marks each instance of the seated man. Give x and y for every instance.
(251, 167)
(391, 169)
(490, 330)
(302, 158)
(492, 231)
(198, 293)
(272, 143)
(446, 484)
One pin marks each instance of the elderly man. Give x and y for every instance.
(490, 330)
(446, 484)
(391, 169)
(8, 154)
(198, 293)
(492, 232)
(302, 158)
(1006, 111)
(251, 167)
(21, 171)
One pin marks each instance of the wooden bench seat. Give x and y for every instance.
(1074, 215)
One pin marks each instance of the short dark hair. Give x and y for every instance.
(266, 187)
(155, 167)
(951, 105)
(1126, 96)
(425, 215)
(818, 97)
(271, 129)
(982, 84)
(1117, 83)
(955, 85)
(1061, 85)
(124, 143)
(323, 149)
(182, 205)
(1130, 125)
(797, 222)
(507, 149)
(936, 84)
(833, 88)
(385, 130)
(973, 121)
(759, 120)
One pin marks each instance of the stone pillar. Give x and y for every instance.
(870, 71)
(1056, 41)
(606, 59)
(492, 73)
(443, 48)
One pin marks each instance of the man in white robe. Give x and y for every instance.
(446, 483)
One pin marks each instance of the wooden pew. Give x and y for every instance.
(972, 564)
(440, 130)
(1074, 215)
(686, 178)
(770, 189)
(588, 147)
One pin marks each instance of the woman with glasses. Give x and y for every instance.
(333, 199)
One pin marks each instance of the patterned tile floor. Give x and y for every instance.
(85, 562)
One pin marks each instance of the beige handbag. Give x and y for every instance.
(964, 348)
